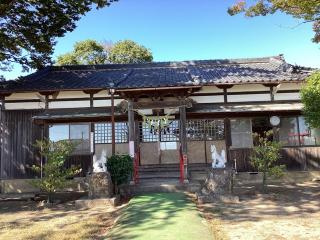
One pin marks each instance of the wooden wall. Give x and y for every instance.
(295, 158)
(18, 153)
(19, 134)
(80, 161)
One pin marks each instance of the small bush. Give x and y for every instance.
(120, 168)
(265, 156)
(55, 175)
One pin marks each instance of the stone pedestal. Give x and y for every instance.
(100, 185)
(218, 186)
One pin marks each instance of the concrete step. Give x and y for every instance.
(159, 175)
(155, 186)
(158, 170)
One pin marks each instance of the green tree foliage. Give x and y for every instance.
(28, 28)
(310, 97)
(128, 51)
(265, 155)
(91, 52)
(120, 168)
(55, 175)
(307, 10)
(87, 52)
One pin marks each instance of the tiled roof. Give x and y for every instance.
(163, 74)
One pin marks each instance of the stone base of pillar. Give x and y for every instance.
(100, 185)
(217, 187)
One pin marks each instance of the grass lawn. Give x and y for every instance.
(24, 220)
(161, 216)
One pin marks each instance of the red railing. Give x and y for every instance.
(181, 166)
(136, 167)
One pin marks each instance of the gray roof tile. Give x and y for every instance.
(163, 74)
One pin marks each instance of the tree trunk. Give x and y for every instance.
(264, 182)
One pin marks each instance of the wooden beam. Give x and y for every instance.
(223, 86)
(47, 93)
(159, 104)
(92, 91)
(270, 84)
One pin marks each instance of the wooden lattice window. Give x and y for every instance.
(205, 129)
(169, 133)
(103, 132)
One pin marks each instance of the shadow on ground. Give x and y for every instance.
(283, 200)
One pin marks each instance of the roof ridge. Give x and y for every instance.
(163, 64)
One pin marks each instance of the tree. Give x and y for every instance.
(55, 175)
(265, 155)
(28, 28)
(91, 52)
(310, 97)
(128, 51)
(87, 52)
(308, 10)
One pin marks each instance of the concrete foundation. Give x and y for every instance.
(24, 186)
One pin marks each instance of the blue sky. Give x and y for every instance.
(194, 29)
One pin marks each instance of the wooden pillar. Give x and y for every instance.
(271, 94)
(2, 107)
(225, 95)
(46, 103)
(113, 132)
(183, 139)
(131, 128)
(91, 100)
(228, 140)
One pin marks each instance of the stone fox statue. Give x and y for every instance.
(99, 163)
(218, 161)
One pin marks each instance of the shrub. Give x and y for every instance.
(265, 155)
(120, 168)
(55, 175)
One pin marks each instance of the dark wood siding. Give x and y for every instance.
(18, 153)
(294, 158)
(242, 158)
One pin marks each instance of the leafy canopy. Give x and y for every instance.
(128, 51)
(87, 52)
(92, 52)
(55, 175)
(310, 97)
(28, 28)
(308, 10)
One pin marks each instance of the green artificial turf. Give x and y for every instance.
(161, 216)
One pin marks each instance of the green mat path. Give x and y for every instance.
(161, 216)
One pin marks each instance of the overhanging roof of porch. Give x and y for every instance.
(74, 115)
(238, 108)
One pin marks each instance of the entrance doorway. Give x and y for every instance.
(159, 145)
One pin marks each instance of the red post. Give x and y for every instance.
(181, 166)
